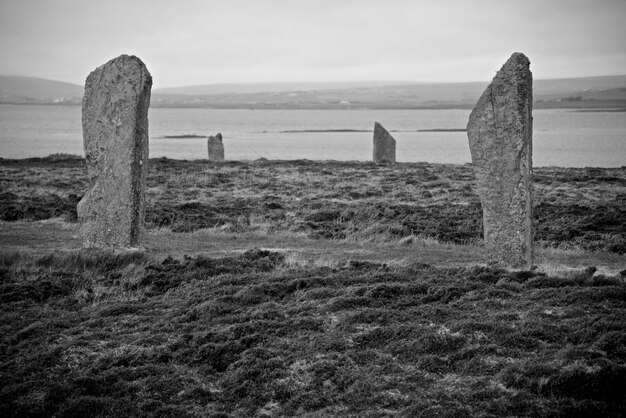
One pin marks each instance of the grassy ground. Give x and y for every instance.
(262, 334)
(574, 208)
(370, 296)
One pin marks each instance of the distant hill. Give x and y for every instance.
(587, 92)
(18, 89)
(248, 88)
(546, 86)
(560, 85)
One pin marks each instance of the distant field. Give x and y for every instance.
(301, 288)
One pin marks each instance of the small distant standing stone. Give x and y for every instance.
(384, 145)
(216, 148)
(500, 139)
(115, 138)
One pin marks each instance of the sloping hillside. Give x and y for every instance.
(17, 89)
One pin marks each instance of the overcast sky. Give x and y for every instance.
(189, 42)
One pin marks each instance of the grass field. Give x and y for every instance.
(311, 289)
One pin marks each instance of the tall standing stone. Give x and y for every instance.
(216, 148)
(500, 140)
(115, 137)
(384, 145)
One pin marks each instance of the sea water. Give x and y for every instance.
(566, 138)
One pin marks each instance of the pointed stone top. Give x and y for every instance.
(511, 86)
(380, 131)
(516, 67)
(518, 58)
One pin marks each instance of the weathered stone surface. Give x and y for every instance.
(384, 145)
(500, 140)
(216, 148)
(115, 137)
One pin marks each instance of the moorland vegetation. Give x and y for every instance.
(311, 289)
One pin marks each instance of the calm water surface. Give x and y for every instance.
(561, 137)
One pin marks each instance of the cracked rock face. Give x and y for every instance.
(216, 148)
(115, 138)
(500, 139)
(384, 145)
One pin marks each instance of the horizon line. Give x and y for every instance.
(397, 82)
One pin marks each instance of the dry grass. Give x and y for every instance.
(366, 294)
(299, 333)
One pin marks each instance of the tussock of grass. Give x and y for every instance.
(300, 260)
(279, 334)
(35, 208)
(98, 260)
